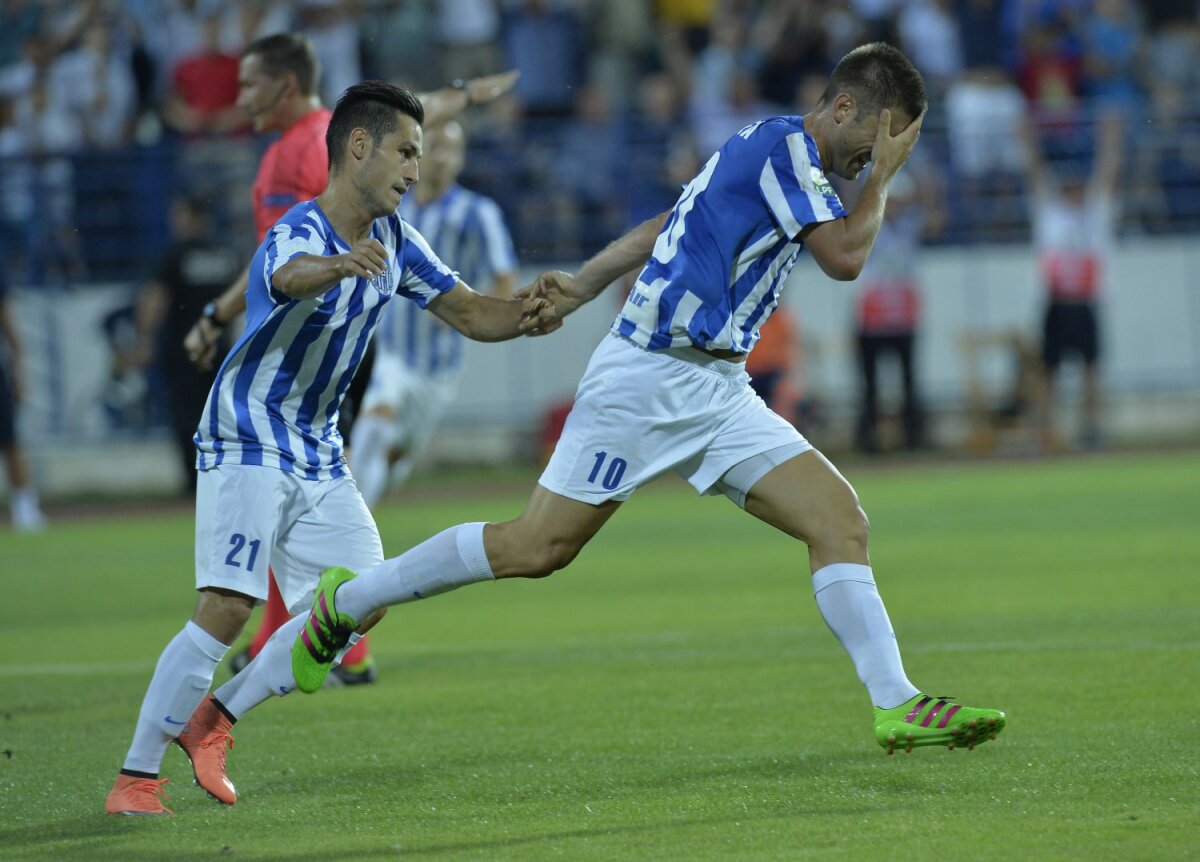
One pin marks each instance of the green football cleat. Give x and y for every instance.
(324, 634)
(926, 720)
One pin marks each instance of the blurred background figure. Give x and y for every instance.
(889, 309)
(22, 495)
(193, 272)
(1074, 217)
(419, 359)
(776, 368)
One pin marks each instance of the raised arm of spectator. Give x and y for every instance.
(1035, 162)
(446, 103)
(1110, 136)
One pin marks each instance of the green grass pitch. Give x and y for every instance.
(674, 695)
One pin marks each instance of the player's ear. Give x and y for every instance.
(360, 143)
(843, 108)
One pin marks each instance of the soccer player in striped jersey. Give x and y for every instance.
(278, 83)
(418, 359)
(666, 391)
(273, 482)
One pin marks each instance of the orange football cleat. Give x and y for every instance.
(204, 740)
(137, 797)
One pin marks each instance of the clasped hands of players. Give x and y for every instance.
(547, 301)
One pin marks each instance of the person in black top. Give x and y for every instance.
(191, 274)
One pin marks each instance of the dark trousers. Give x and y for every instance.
(871, 350)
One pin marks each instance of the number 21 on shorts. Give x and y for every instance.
(609, 478)
(236, 557)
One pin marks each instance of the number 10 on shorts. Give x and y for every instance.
(612, 476)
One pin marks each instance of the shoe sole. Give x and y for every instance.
(968, 734)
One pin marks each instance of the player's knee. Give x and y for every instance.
(854, 528)
(846, 532)
(222, 613)
(549, 557)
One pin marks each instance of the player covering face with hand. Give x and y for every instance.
(666, 391)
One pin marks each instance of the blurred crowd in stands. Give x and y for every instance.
(109, 107)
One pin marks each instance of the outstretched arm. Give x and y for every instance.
(489, 318)
(446, 103)
(566, 293)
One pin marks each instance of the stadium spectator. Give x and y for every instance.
(193, 272)
(929, 33)
(889, 308)
(396, 45)
(793, 43)
(622, 47)
(1111, 34)
(984, 110)
(588, 203)
(543, 41)
(724, 93)
(663, 157)
(332, 26)
(1074, 228)
(418, 358)
(716, 263)
(469, 38)
(273, 483)
(39, 193)
(24, 509)
(97, 83)
(203, 94)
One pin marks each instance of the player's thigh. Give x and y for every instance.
(637, 415)
(546, 536)
(240, 513)
(335, 529)
(809, 499)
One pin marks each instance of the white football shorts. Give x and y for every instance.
(419, 401)
(640, 413)
(249, 518)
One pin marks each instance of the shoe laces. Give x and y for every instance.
(221, 738)
(152, 786)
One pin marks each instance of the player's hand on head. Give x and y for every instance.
(891, 151)
(367, 258)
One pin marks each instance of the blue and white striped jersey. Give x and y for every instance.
(730, 242)
(275, 400)
(468, 230)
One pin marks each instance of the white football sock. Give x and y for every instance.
(850, 603)
(269, 674)
(181, 679)
(373, 439)
(451, 559)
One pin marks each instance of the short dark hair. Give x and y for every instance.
(288, 52)
(370, 105)
(878, 76)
